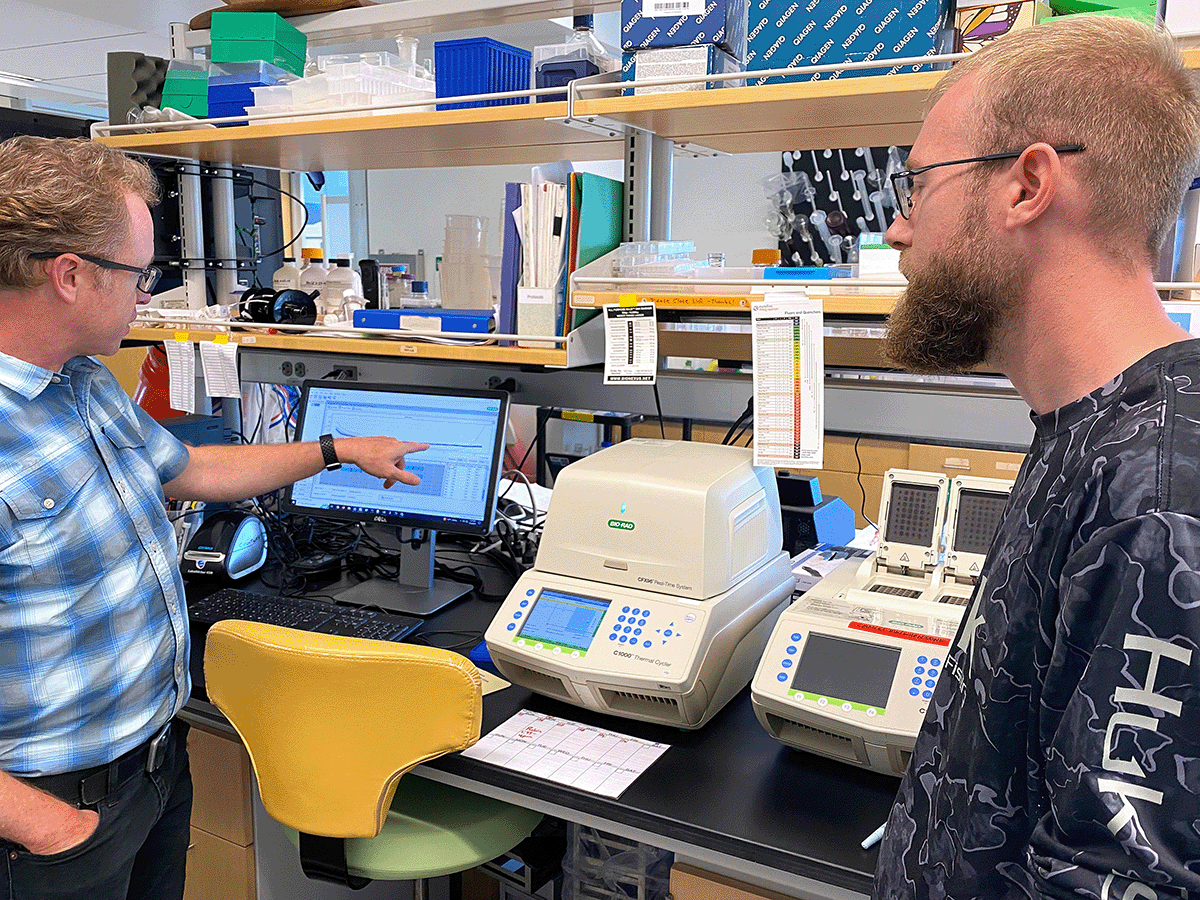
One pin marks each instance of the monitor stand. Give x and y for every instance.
(415, 592)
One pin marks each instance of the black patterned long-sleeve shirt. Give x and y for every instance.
(1060, 756)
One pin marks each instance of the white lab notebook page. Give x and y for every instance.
(181, 366)
(219, 361)
(789, 379)
(589, 759)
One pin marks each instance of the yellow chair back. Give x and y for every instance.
(331, 722)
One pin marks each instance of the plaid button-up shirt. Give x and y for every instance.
(93, 627)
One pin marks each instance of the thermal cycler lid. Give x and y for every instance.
(675, 517)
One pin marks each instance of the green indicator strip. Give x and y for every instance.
(548, 646)
(835, 702)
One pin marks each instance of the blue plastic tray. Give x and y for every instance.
(480, 66)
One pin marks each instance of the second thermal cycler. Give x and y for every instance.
(850, 667)
(659, 575)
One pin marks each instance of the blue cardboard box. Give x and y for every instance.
(679, 23)
(786, 33)
(666, 62)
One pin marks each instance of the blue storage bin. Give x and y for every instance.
(480, 66)
(229, 86)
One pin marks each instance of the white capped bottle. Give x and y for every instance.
(341, 278)
(286, 276)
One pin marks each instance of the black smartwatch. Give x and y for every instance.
(328, 453)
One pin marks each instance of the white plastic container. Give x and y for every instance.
(286, 276)
(312, 278)
(708, 279)
(341, 278)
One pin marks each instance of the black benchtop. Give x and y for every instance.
(728, 787)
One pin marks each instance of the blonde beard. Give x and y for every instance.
(948, 319)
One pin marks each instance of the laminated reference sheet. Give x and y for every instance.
(630, 344)
(181, 367)
(589, 759)
(789, 379)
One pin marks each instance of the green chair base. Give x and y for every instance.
(433, 829)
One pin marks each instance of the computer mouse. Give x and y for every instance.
(230, 544)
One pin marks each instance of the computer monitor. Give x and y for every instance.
(459, 473)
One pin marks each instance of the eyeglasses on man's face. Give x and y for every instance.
(147, 277)
(902, 182)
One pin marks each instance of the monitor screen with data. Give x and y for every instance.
(459, 472)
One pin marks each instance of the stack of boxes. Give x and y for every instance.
(230, 86)
(666, 38)
(698, 37)
(249, 49)
(185, 87)
(255, 37)
(787, 33)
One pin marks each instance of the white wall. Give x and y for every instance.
(718, 203)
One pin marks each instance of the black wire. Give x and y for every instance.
(537, 437)
(746, 414)
(291, 196)
(658, 405)
(862, 490)
(271, 187)
(470, 638)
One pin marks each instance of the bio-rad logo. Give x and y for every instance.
(621, 524)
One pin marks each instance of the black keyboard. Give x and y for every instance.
(301, 613)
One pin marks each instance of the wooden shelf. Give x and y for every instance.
(488, 135)
(381, 346)
(858, 304)
(846, 112)
(875, 111)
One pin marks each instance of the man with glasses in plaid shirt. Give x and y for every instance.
(95, 793)
(1060, 756)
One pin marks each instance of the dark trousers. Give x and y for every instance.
(137, 852)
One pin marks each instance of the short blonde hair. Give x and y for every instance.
(64, 195)
(1112, 84)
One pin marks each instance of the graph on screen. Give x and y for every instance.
(458, 471)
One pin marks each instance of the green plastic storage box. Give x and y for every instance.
(250, 36)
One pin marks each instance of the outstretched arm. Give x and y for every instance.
(226, 472)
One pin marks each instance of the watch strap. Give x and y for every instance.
(328, 454)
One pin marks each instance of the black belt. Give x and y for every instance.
(87, 787)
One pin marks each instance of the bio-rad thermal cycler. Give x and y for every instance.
(659, 575)
(851, 665)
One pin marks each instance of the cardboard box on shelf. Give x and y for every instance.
(669, 62)
(964, 461)
(978, 24)
(690, 883)
(680, 23)
(786, 33)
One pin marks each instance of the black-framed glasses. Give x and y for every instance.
(902, 182)
(147, 277)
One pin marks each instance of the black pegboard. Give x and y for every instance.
(842, 172)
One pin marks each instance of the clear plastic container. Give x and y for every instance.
(600, 865)
(717, 274)
(557, 65)
(419, 298)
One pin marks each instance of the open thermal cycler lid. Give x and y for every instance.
(673, 517)
(976, 505)
(911, 514)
